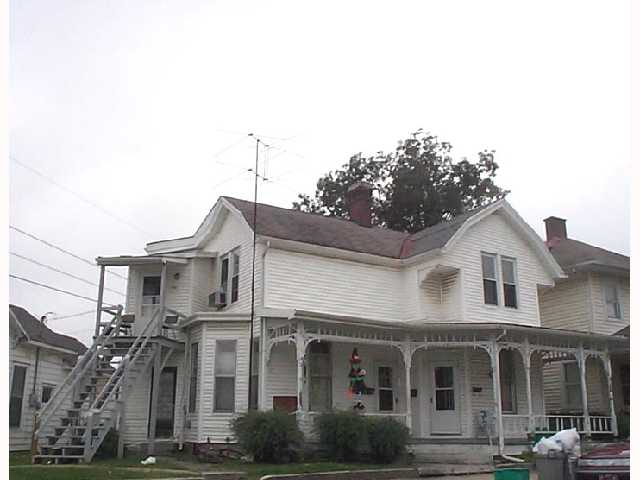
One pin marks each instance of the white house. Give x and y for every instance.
(39, 360)
(594, 298)
(447, 322)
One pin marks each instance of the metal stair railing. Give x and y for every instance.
(78, 372)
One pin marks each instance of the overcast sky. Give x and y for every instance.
(142, 109)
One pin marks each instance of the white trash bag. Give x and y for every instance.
(148, 461)
(567, 441)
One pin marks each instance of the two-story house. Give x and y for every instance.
(263, 307)
(594, 298)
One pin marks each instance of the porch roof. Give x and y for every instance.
(126, 260)
(418, 331)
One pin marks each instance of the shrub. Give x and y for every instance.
(344, 433)
(268, 436)
(387, 438)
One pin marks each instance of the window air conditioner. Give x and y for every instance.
(218, 299)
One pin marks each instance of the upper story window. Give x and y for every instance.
(490, 279)
(509, 282)
(151, 290)
(612, 298)
(230, 276)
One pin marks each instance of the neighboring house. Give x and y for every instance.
(594, 298)
(446, 322)
(39, 360)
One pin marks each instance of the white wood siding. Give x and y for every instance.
(555, 396)
(51, 371)
(495, 235)
(235, 234)
(215, 426)
(281, 379)
(602, 323)
(566, 306)
(333, 286)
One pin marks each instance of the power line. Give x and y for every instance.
(44, 285)
(60, 249)
(54, 269)
(73, 315)
(81, 197)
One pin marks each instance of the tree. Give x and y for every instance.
(416, 186)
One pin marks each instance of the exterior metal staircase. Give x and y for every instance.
(72, 425)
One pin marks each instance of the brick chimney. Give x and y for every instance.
(556, 229)
(359, 203)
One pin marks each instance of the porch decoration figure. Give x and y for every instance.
(357, 387)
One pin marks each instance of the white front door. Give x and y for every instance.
(445, 411)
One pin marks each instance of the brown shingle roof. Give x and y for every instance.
(334, 232)
(570, 253)
(38, 332)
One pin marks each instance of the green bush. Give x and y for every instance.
(268, 436)
(343, 433)
(387, 438)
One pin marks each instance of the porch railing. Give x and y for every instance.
(517, 426)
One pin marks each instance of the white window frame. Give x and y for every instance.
(516, 283)
(23, 399)
(143, 296)
(194, 380)
(231, 274)
(234, 376)
(392, 388)
(494, 257)
(616, 289)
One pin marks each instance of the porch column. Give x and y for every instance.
(301, 348)
(163, 298)
(582, 367)
(153, 408)
(526, 357)
(494, 353)
(100, 296)
(407, 355)
(606, 360)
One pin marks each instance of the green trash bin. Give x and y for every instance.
(511, 474)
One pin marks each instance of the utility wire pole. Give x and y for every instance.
(253, 268)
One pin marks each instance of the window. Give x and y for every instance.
(490, 279)
(319, 377)
(235, 277)
(572, 390)
(230, 276)
(626, 384)
(508, 382)
(17, 395)
(47, 391)
(444, 389)
(385, 389)
(509, 282)
(225, 376)
(151, 290)
(193, 382)
(613, 301)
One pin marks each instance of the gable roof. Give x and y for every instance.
(38, 332)
(321, 230)
(575, 255)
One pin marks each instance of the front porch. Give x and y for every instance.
(455, 383)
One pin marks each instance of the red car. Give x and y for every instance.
(606, 463)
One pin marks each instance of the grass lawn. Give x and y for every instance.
(184, 465)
